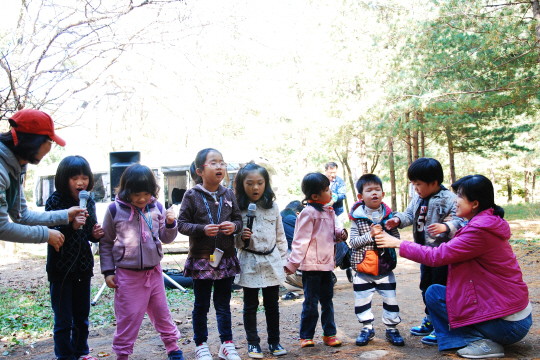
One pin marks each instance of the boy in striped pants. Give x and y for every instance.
(373, 271)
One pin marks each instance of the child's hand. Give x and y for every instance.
(211, 230)
(227, 227)
(287, 271)
(376, 230)
(79, 220)
(56, 239)
(97, 232)
(170, 215)
(109, 280)
(392, 223)
(436, 229)
(246, 234)
(448, 218)
(344, 234)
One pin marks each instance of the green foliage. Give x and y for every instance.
(523, 211)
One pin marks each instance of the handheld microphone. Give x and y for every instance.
(252, 210)
(83, 198)
(376, 217)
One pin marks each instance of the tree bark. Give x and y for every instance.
(415, 141)
(451, 155)
(422, 137)
(536, 15)
(526, 186)
(363, 154)
(408, 141)
(392, 172)
(533, 186)
(509, 188)
(349, 173)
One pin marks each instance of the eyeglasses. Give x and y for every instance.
(216, 165)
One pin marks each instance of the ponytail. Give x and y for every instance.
(497, 210)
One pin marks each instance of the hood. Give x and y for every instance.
(10, 162)
(358, 212)
(200, 188)
(493, 224)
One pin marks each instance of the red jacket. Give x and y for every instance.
(484, 277)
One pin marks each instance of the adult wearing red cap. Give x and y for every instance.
(29, 140)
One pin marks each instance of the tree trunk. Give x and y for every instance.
(509, 188)
(533, 186)
(392, 172)
(451, 155)
(415, 141)
(363, 154)
(345, 177)
(351, 182)
(526, 186)
(408, 141)
(536, 15)
(422, 137)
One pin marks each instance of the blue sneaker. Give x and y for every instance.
(176, 355)
(431, 339)
(366, 335)
(394, 337)
(425, 329)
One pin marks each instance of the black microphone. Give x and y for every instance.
(83, 197)
(252, 210)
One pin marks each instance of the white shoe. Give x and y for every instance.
(202, 352)
(227, 351)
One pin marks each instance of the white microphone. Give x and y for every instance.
(83, 198)
(376, 217)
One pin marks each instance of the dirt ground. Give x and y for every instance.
(149, 346)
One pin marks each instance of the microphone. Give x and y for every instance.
(252, 210)
(83, 198)
(376, 217)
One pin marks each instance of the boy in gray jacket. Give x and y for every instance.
(429, 208)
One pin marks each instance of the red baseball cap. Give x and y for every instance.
(33, 121)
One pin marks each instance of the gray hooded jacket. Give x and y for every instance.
(18, 230)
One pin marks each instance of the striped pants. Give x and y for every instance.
(364, 287)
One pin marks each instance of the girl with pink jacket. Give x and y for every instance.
(485, 303)
(313, 252)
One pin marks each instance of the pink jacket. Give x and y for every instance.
(313, 243)
(484, 277)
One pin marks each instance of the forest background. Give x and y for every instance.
(372, 85)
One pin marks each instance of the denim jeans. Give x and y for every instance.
(271, 310)
(501, 331)
(71, 305)
(430, 276)
(222, 298)
(318, 287)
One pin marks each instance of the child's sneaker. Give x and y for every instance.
(277, 349)
(255, 352)
(431, 339)
(331, 340)
(365, 336)
(394, 337)
(202, 352)
(307, 343)
(227, 351)
(482, 349)
(87, 357)
(176, 355)
(425, 329)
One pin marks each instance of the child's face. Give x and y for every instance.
(325, 196)
(425, 189)
(77, 184)
(214, 169)
(372, 195)
(254, 185)
(140, 199)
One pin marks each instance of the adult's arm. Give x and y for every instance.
(31, 227)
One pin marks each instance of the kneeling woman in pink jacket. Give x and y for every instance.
(485, 304)
(313, 252)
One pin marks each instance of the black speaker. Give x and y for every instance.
(120, 161)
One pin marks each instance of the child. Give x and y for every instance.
(427, 213)
(210, 216)
(69, 271)
(374, 267)
(313, 253)
(134, 224)
(262, 255)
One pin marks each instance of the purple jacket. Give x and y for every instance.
(313, 243)
(128, 242)
(484, 277)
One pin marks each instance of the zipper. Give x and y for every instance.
(140, 239)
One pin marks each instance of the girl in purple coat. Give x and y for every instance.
(485, 304)
(130, 253)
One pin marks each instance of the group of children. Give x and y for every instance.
(223, 249)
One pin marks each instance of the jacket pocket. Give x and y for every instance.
(119, 252)
(370, 264)
(159, 248)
